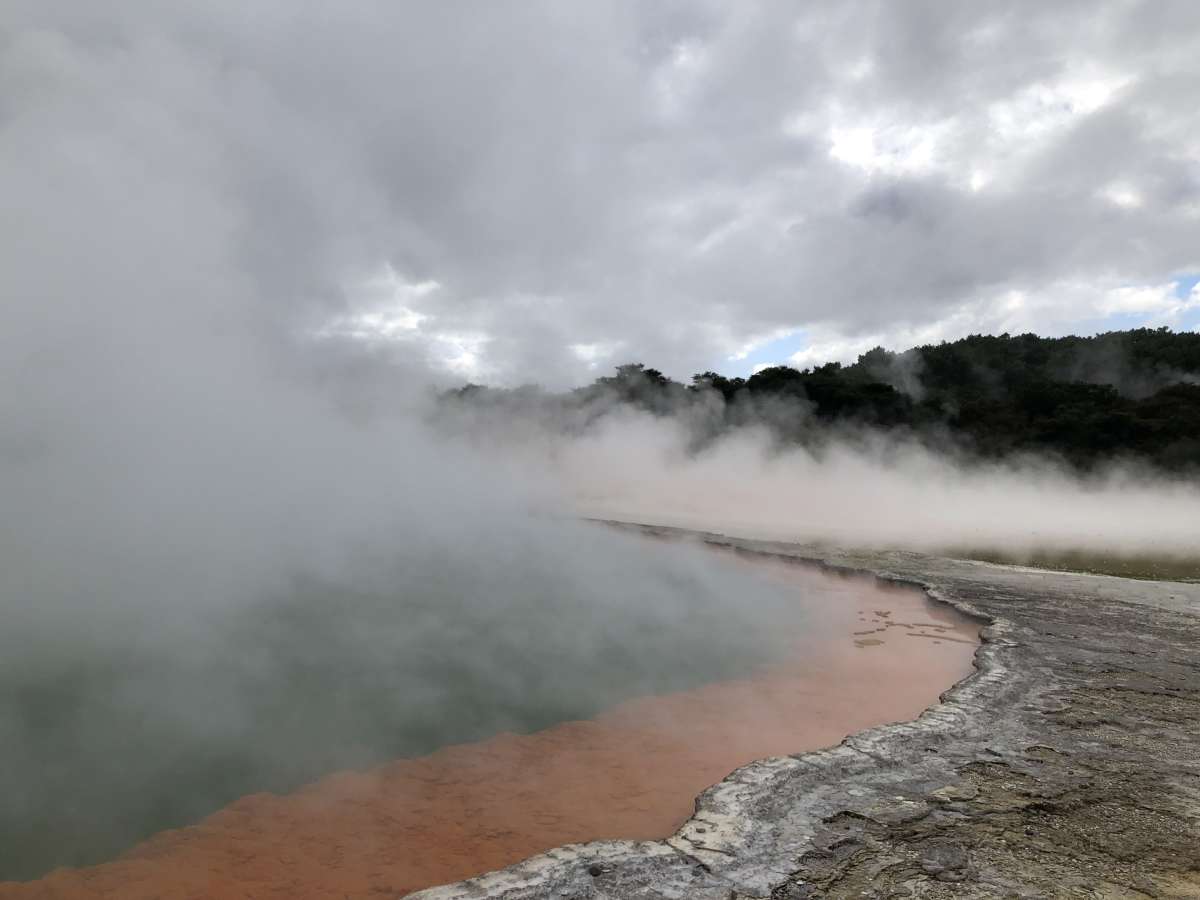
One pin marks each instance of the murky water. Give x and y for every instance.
(118, 723)
(861, 653)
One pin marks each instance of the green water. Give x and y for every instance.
(112, 733)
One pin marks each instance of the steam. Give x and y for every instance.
(851, 488)
(218, 575)
(232, 556)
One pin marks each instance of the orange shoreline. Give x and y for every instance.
(874, 653)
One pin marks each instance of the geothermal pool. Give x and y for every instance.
(812, 656)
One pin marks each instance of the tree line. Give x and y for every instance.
(1133, 394)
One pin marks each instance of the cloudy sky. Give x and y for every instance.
(539, 190)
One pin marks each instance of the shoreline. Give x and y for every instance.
(1066, 764)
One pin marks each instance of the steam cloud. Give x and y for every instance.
(875, 493)
(234, 559)
(218, 574)
(766, 468)
(231, 555)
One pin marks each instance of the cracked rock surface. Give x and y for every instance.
(1067, 765)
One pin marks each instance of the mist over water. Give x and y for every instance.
(157, 718)
(232, 556)
(850, 487)
(877, 492)
(233, 559)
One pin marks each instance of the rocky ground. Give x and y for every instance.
(1068, 765)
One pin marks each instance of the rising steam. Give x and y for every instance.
(858, 488)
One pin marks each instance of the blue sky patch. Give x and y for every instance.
(774, 352)
(1184, 284)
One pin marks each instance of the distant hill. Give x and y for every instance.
(1133, 394)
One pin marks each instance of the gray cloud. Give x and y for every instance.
(673, 180)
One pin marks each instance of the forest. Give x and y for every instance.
(1131, 395)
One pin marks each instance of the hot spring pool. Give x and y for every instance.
(505, 736)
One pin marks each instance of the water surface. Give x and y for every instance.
(859, 653)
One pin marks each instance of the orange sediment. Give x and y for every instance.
(631, 772)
